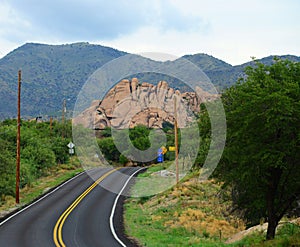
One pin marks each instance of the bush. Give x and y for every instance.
(40, 158)
(41, 149)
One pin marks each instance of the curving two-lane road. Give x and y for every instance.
(78, 213)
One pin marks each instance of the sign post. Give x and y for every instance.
(160, 156)
(71, 146)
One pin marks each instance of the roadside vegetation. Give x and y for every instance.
(45, 161)
(287, 235)
(257, 180)
(55, 176)
(196, 213)
(140, 137)
(188, 214)
(261, 161)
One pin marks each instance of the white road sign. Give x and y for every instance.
(71, 145)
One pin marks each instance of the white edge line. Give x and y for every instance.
(114, 209)
(43, 197)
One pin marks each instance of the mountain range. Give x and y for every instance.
(54, 73)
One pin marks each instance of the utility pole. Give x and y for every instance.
(63, 118)
(18, 141)
(51, 120)
(176, 138)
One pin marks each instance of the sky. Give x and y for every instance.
(231, 30)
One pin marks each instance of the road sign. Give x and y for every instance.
(164, 150)
(160, 156)
(172, 148)
(71, 145)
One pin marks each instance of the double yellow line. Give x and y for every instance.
(57, 232)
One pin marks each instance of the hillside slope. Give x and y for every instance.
(223, 74)
(52, 73)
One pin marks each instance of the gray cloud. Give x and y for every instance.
(78, 19)
(231, 30)
(101, 20)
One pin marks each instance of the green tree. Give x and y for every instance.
(262, 160)
(60, 149)
(63, 130)
(129, 142)
(139, 136)
(40, 157)
(205, 136)
(109, 149)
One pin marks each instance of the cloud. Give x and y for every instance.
(78, 19)
(11, 25)
(91, 19)
(166, 16)
(232, 30)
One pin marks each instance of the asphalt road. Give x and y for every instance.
(78, 213)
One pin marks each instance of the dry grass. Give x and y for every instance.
(197, 207)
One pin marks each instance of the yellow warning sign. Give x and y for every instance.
(164, 150)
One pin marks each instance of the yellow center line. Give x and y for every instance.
(57, 232)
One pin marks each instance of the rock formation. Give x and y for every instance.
(130, 103)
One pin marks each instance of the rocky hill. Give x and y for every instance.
(52, 73)
(130, 103)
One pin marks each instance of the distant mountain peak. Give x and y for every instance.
(207, 62)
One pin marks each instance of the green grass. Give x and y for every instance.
(154, 168)
(287, 235)
(164, 219)
(40, 187)
(150, 185)
(153, 233)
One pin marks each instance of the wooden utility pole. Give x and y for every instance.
(63, 112)
(51, 120)
(18, 141)
(176, 138)
(63, 118)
